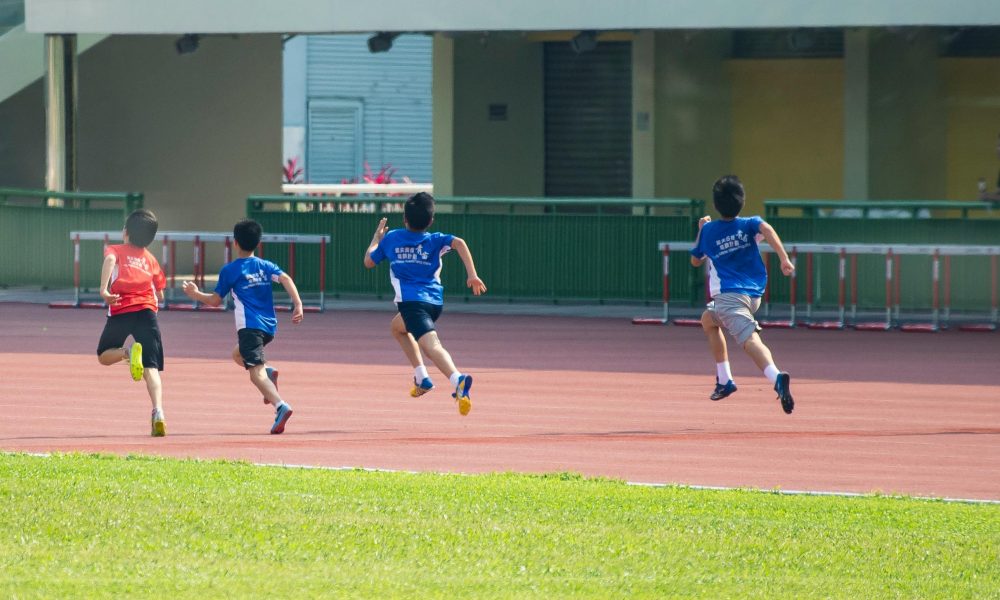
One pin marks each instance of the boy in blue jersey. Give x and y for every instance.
(249, 278)
(737, 278)
(415, 272)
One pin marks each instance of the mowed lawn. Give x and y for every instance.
(101, 526)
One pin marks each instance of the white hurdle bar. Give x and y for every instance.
(169, 239)
(893, 254)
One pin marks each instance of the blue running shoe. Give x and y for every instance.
(722, 391)
(281, 417)
(419, 389)
(461, 394)
(272, 374)
(782, 386)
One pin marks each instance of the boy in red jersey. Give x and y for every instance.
(132, 284)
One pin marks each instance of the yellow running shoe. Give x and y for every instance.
(461, 394)
(159, 425)
(419, 389)
(135, 361)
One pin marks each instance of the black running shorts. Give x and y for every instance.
(143, 328)
(252, 342)
(419, 317)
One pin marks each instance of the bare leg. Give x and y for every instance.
(112, 356)
(406, 342)
(716, 341)
(154, 387)
(237, 358)
(432, 347)
(259, 378)
(757, 351)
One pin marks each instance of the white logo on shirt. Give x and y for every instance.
(411, 253)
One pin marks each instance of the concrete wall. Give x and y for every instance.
(693, 121)
(788, 129)
(499, 158)
(972, 108)
(907, 122)
(195, 133)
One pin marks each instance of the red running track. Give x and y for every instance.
(888, 412)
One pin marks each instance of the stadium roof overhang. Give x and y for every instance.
(328, 16)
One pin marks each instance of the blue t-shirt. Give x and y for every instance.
(735, 264)
(250, 281)
(414, 263)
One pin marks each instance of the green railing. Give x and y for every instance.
(525, 248)
(941, 223)
(865, 208)
(34, 236)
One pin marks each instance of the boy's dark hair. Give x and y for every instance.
(141, 227)
(247, 234)
(419, 211)
(728, 196)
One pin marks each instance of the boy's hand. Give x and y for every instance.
(477, 285)
(109, 298)
(190, 288)
(297, 314)
(787, 267)
(380, 230)
(702, 221)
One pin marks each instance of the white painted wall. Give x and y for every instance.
(328, 16)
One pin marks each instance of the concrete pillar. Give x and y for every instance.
(856, 111)
(60, 112)
(443, 115)
(643, 109)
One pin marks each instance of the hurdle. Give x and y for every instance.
(198, 239)
(847, 268)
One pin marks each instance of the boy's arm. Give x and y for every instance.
(787, 267)
(197, 295)
(472, 278)
(376, 239)
(293, 292)
(695, 261)
(106, 268)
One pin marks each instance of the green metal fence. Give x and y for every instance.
(970, 279)
(34, 233)
(525, 248)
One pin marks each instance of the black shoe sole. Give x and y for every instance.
(785, 393)
(716, 397)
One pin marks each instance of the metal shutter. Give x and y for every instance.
(335, 147)
(588, 120)
(395, 88)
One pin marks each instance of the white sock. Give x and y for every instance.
(278, 406)
(454, 378)
(771, 372)
(420, 373)
(723, 373)
(158, 412)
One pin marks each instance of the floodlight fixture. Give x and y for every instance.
(585, 41)
(187, 43)
(381, 41)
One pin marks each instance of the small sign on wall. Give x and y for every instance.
(498, 112)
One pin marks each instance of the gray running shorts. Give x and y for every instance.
(734, 313)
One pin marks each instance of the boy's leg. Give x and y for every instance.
(761, 356)
(147, 334)
(406, 341)
(237, 358)
(112, 356)
(412, 321)
(155, 389)
(110, 348)
(431, 345)
(724, 384)
(283, 411)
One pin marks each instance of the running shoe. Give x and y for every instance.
(272, 374)
(419, 389)
(461, 394)
(281, 417)
(135, 361)
(159, 426)
(782, 386)
(722, 391)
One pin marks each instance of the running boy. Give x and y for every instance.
(737, 278)
(249, 278)
(415, 272)
(132, 284)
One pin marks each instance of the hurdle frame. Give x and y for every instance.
(939, 313)
(168, 263)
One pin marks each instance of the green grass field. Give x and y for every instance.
(100, 526)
